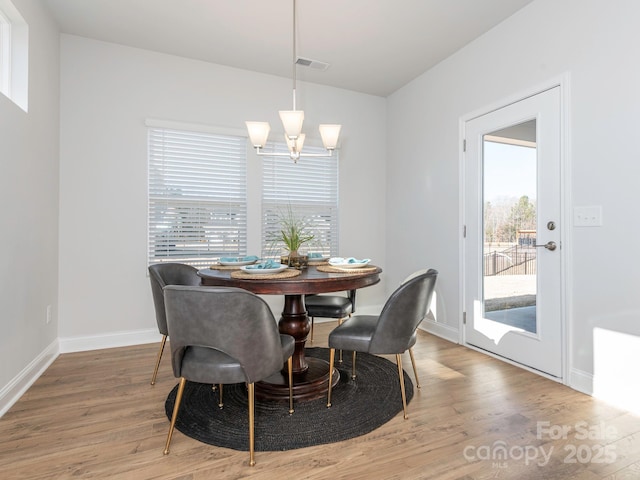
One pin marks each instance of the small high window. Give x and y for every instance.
(5, 53)
(14, 54)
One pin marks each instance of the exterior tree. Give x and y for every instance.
(504, 217)
(521, 217)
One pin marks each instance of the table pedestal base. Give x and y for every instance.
(310, 375)
(309, 385)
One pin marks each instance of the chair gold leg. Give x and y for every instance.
(332, 355)
(174, 416)
(220, 403)
(252, 460)
(353, 366)
(155, 370)
(415, 370)
(340, 322)
(401, 375)
(290, 367)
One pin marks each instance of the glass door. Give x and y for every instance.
(512, 276)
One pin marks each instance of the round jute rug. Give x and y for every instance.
(358, 407)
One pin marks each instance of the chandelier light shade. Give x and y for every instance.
(258, 133)
(330, 134)
(292, 123)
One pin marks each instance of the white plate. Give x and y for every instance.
(263, 271)
(237, 264)
(349, 265)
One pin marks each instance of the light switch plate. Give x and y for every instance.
(587, 216)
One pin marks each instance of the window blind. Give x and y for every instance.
(197, 196)
(310, 188)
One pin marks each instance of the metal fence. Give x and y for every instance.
(516, 260)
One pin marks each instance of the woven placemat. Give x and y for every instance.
(288, 273)
(332, 269)
(216, 266)
(315, 263)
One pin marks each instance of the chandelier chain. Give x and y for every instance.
(295, 59)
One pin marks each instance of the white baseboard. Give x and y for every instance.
(438, 329)
(580, 381)
(11, 392)
(110, 340)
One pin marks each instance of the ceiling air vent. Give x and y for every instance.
(316, 64)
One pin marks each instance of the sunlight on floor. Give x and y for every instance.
(439, 370)
(615, 373)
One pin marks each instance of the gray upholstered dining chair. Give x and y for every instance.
(224, 335)
(330, 306)
(413, 360)
(391, 332)
(161, 275)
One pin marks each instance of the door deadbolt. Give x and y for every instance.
(551, 225)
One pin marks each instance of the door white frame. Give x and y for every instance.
(565, 217)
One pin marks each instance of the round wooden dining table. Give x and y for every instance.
(310, 375)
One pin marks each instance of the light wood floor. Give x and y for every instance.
(94, 415)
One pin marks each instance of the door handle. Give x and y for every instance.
(549, 246)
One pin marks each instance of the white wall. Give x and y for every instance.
(29, 149)
(594, 42)
(107, 91)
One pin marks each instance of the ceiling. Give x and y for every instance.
(372, 46)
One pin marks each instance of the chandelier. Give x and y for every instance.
(292, 123)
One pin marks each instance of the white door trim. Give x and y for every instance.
(563, 82)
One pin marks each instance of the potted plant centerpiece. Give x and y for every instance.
(295, 231)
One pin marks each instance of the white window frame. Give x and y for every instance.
(5, 54)
(310, 188)
(14, 55)
(209, 167)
